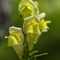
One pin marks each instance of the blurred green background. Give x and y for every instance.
(48, 42)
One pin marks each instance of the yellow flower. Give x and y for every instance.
(31, 28)
(42, 23)
(28, 8)
(31, 25)
(16, 39)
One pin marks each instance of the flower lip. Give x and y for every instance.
(12, 29)
(31, 17)
(42, 15)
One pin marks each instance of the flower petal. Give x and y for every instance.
(42, 15)
(12, 41)
(17, 32)
(19, 50)
(43, 25)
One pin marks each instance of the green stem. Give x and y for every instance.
(26, 51)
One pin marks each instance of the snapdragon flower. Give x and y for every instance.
(42, 23)
(28, 8)
(16, 39)
(31, 28)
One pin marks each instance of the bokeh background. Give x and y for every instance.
(48, 42)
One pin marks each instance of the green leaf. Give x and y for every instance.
(34, 56)
(33, 52)
(41, 54)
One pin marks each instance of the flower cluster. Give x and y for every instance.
(34, 25)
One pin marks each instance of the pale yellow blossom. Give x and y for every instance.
(28, 8)
(31, 28)
(43, 25)
(16, 39)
